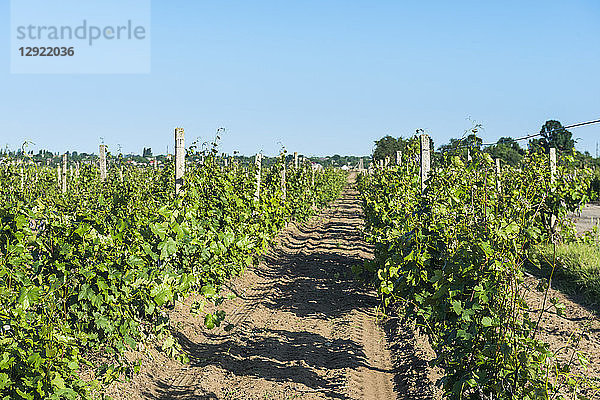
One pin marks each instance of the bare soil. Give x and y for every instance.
(304, 328)
(576, 330)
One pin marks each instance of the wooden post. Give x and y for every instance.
(102, 162)
(22, 179)
(64, 174)
(258, 164)
(121, 174)
(425, 160)
(179, 158)
(398, 158)
(77, 170)
(498, 171)
(295, 160)
(283, 186)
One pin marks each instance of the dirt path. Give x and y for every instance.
(588, 217)
(303, 327)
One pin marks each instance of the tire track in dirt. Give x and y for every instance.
(304, 328)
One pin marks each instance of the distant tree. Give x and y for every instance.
(508, 150)
(386, 147)
(147, 152)
(462, 146)
(553, 135)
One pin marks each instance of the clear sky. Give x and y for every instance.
(322, 77)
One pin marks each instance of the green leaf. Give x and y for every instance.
(103, 323)
(167, 248)
(86, 292)
(161, 294)
(4, 381)
(73, 365)
(486, 321)
(209, 321)
(208, 291)
(165, 212)
(21, 221)
(148, 250)
(35, 360)
(168, 343)
(26, 396)
(29, 296)
(457, 307)
(149, 308)
(160, 229)
(58, 381)
(135, 261)
(6, 361)
(437, 275)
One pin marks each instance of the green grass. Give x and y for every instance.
(577, 267)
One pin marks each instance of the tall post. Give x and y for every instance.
(59, 176)
(179, 158)
(552, 181)
(22, 179)
(283, 186)
(64, 174)
(498, 171)
(469, 158)
(398, 158)
(295, 160)
(552, 165)
(102, 162)
(425, 160)
(258, 164)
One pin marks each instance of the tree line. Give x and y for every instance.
(552, 134)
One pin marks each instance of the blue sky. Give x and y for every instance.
(322, 77)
